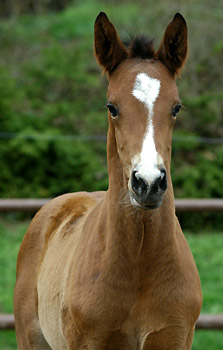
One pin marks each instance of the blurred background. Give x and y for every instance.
(53, 119)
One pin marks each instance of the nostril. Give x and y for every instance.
(138, 184)
(163, 182)
(159, 183)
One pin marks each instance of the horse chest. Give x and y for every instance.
(108, 306)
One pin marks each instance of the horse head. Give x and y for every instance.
(143, 103)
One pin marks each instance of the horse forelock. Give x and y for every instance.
(140, 46)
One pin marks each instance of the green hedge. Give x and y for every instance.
(51, 88)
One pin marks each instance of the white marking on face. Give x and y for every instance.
(146, 90)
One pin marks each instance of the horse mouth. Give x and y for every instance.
(144, 206)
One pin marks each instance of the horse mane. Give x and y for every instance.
(141, 46)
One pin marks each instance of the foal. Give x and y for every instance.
(109, 271)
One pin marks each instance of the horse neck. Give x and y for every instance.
(130, 229)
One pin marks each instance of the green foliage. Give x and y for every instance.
(197, 163)
(200, 176)
(50, 89)
(51, 95)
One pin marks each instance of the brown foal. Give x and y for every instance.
(112, 270)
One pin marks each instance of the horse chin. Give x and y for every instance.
(143, 206)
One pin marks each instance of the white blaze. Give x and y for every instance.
(146, 90)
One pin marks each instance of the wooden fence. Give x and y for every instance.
(182, 205)
(205, 321)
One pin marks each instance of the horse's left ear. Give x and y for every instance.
(109, 50)
(173, 49)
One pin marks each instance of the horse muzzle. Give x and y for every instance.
(147, 195)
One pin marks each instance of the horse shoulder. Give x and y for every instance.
(49, 218)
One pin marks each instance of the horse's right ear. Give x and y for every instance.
(109, 50)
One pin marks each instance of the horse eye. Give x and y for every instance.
(113, 110)
(176, 110)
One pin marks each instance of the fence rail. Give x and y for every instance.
(205, 321)
(182, 205)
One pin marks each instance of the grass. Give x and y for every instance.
(11, 233)
(207, 249)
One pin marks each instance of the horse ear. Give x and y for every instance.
(173, 49)
(109, 50)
